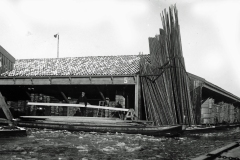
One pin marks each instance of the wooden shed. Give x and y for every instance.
(100, 77)
(6, 60)
(63, 79)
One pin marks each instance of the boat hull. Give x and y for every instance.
(88, 124)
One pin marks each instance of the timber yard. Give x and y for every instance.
(144, 106)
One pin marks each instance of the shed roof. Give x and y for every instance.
(88, 66)
(76, 66)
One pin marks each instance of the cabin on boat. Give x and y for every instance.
(117, 78)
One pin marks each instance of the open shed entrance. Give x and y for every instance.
(19, 95)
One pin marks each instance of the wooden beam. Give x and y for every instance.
(6, 110)
(110, 80)
(136, 106)
(28, 94)
(76, 105)
(103, 98)
(139, 113)
(64, 96)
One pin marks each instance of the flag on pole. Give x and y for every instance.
(56, 35)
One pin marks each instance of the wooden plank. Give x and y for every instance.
(76, 105)
(136, 106)
(82, 80)
(102, 80)
(101, 94)
(65, 80)
(123, 80)
(60, 80)
(64, 96)
(23, 82)
(6, 81)
(223, 149)
(42, 81)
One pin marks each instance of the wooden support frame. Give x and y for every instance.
(112, 79)
(32, 81)
(50, 80)
(90, 79)
(6, 110)
(70, 80)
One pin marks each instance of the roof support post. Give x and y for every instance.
(90, 79)
(50, 80)
(137, 106)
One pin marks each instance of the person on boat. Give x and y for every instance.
(82, 99)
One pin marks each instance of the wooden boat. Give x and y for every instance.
(208, 129)
(230, 151)
(98, 124)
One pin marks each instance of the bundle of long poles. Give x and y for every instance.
(165, 82)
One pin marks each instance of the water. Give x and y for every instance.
(64, 145)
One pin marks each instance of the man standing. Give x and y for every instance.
(82, 99)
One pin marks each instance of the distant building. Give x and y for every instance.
(6, 60)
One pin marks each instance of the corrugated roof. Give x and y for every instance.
(76, 66)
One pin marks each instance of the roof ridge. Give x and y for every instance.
(84, 57)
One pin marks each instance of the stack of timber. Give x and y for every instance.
(196, 97)
(165, 83)
(220, 113)
(21, 108)
(228, 113)
(208, 111)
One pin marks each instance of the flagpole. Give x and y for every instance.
(58, 48)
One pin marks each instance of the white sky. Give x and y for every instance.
(210, 31)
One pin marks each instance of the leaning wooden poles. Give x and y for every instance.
(165, 83)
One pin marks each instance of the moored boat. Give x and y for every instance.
(98, 124)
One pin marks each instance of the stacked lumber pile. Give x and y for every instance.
(221, 113)
(227, 113)
(164, 82)
(236, 114)
(208, 111)
(100, 65)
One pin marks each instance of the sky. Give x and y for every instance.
(210, 31)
